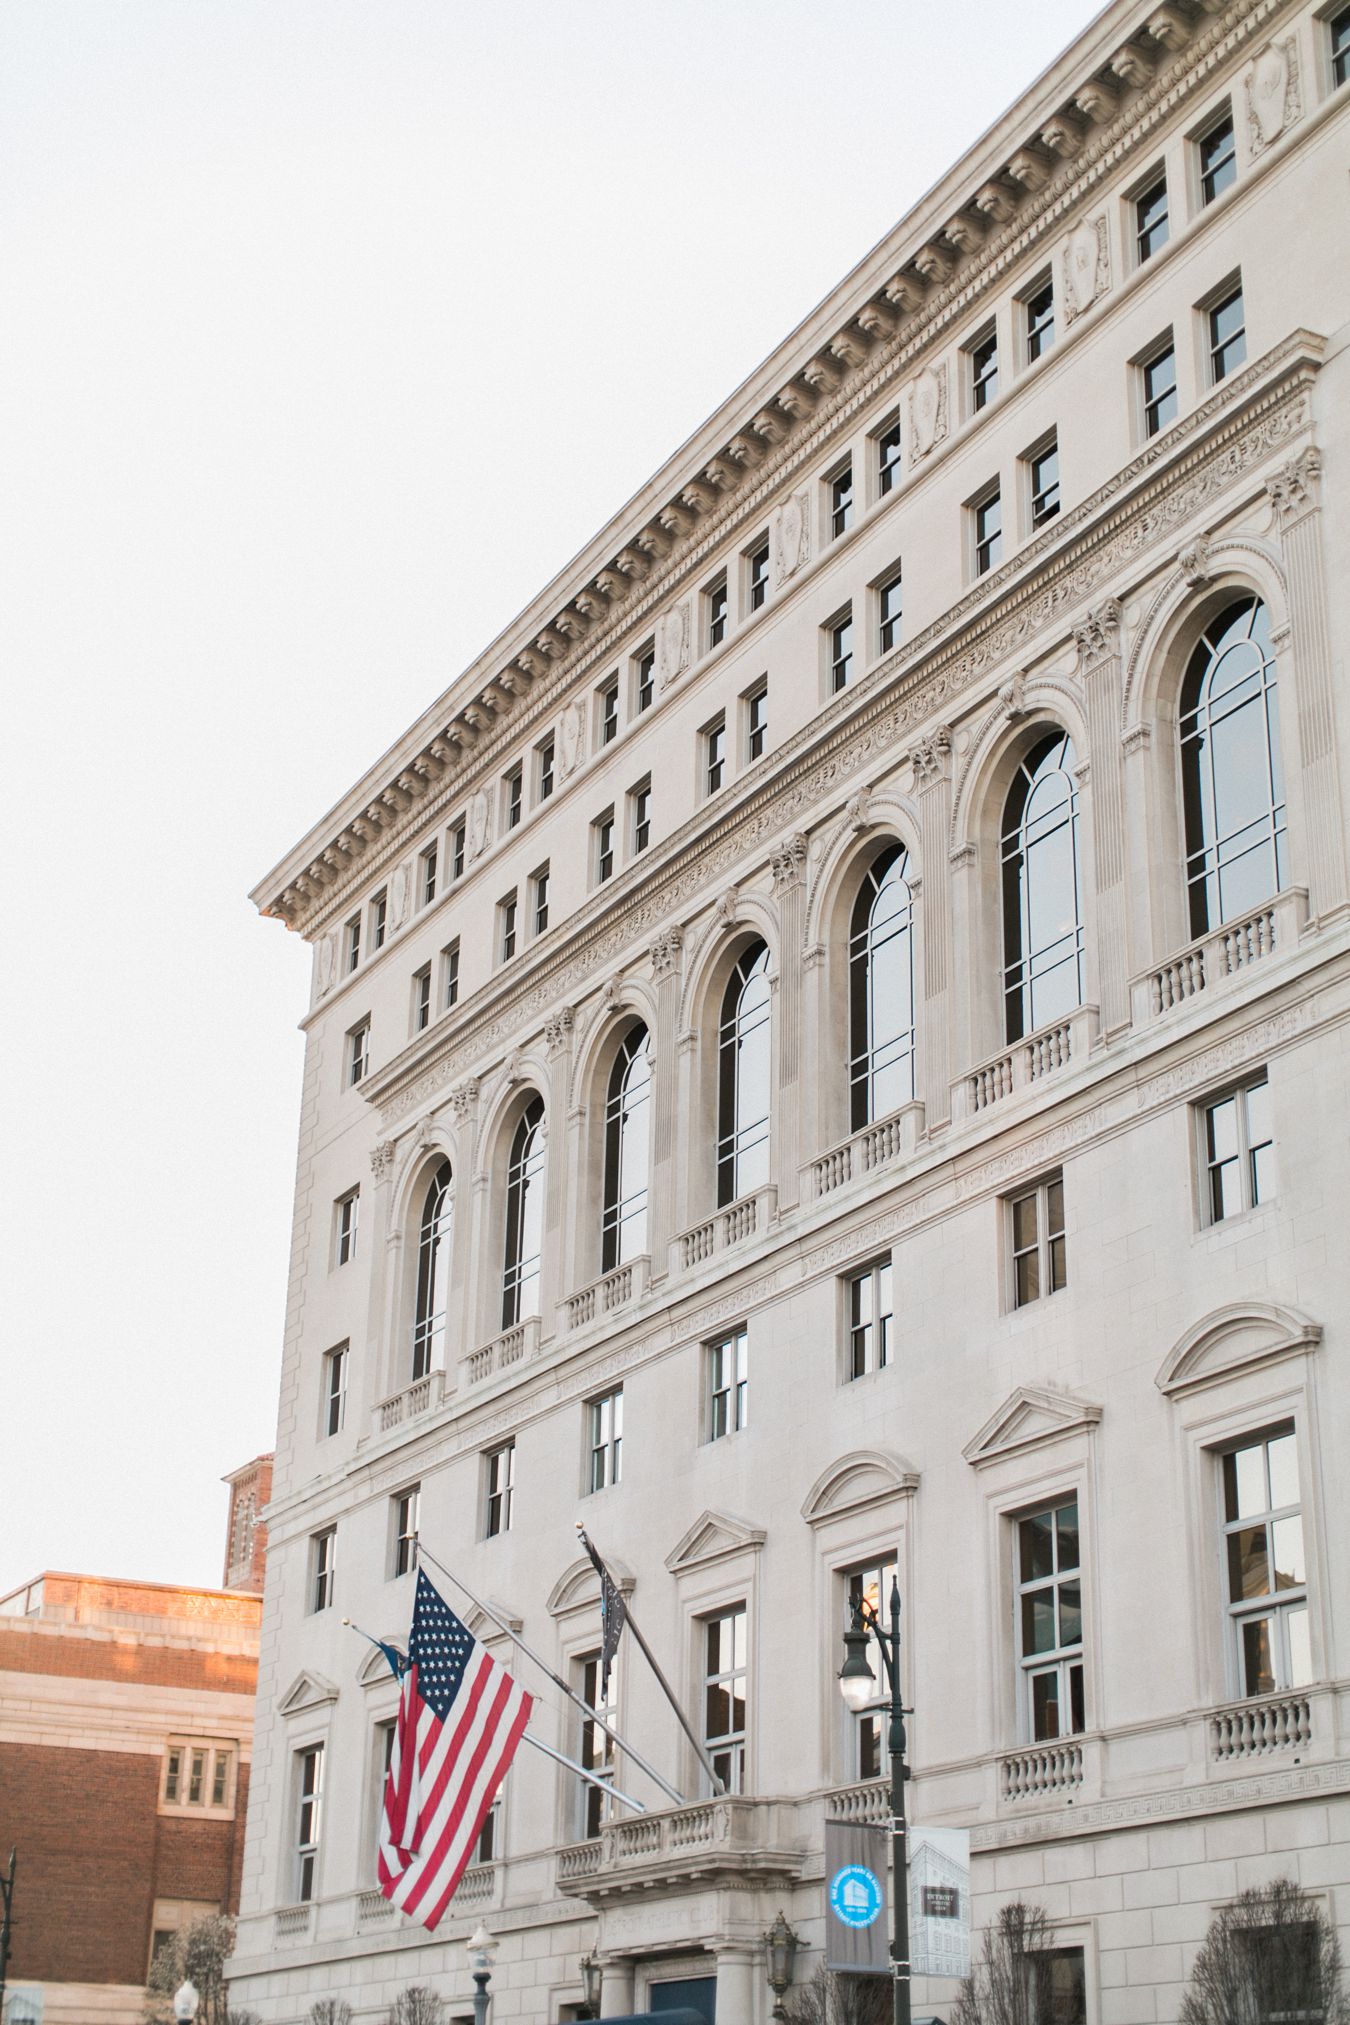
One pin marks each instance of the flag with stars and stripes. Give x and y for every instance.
(460, 1718)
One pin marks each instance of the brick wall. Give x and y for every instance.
(25, 1649)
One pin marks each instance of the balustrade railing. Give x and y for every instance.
(1043, 1053)
(293, 1922)
(870, 1148)
(1225, 952)
(1256, 1729)
(373, 1909)
(513, 1346)
(619, 1289)
(749, 1216)
(1041, 1772)
(414, 1399)
(868, 1802)
(578, 1860)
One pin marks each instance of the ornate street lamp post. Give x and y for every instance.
(780, 1948)
(592, 1976)
(858, 1686)
(482, 1948)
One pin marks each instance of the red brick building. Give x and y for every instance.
(126, 1720)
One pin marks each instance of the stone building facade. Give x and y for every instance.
(827, 1053)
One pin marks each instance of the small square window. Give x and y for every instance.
(644, 678)
(728, 1384)
(888, 444)
(870, 1318)
(982, 355)
(987, 516)
(604, 1419)
(421, 999)
(715, 611)
(406, 1507)
(1151, 225)
(513, 797)
(841, 501)
(1216, 150)
(506, 928)
(1227, 335)
(457, 842)
(379, 920)
(543, 768)
(714, 754)
(1158, 386)
(1237, 1143)
(450, 974)
(640, 816)
(345, 1218)
(353, 943)
(890, 611)
(1338, 29)
(335, 1390)
(757, 575)
(1039, 310)
(427, 875)
(539, 901)
(607, 706)
(839, 641)
(1039, 1259)
(1043, 475)
(323, 1568)
(602, 846)
(500, 1477)
(358, 1052)
(757, 720)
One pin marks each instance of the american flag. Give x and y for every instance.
(460, 1718)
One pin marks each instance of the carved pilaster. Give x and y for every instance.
(1099, 671)
(788, 863)
(789, 885)
(382, 1161)
(665, 954)
(931, 757)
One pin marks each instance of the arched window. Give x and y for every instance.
(627, 1143)
(524, 1217)
(1042, 912)
(1232, 780)
(881, 991)
(433, 1272)
(743, 1063)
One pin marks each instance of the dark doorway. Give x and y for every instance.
(691, 1993)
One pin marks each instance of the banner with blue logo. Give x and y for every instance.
(857, 1899)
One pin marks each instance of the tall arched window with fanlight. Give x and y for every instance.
(1232, 778)
(434, 1238)
(627, 1151)
(524, 1216)
(881, 990)
(743, 1071)
(1042, 896)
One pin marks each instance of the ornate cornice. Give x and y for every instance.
(1031, 603)
(1014, 206)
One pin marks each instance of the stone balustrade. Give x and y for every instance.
(415, 1399)
(622, 1288)
(1038, 1055)
(1225, 953)
(749, 1216)
(1041, 1771)
(864, 1152)
(513, 1346)
(1257, 1729)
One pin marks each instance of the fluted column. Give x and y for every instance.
(789, 886)
(379, 1368)
(665, 955)
(1099, 671)
(465, 1269)
(1294, 494)
(932, 762)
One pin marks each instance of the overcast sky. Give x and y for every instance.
(328, 332)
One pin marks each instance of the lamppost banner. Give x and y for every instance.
(939, 1901)
(857, 1899)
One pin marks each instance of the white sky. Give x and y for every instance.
(328, 332)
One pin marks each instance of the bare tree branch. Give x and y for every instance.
(1272, 1953)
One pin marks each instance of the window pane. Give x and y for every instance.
(1283, 1454)
(1067, 1535)
(1245, 1482)
(1286, 1537)
(1038, 1621)
(1037, 1545)
(1300, 1649)
(1045, 1723)
(1070, 1614)
(1028, 1278)
(1248, 1563)
(1258, 1672)
(1024, 1222)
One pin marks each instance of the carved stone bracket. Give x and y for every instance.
(558, 1030)
(1097, 634)
(932, 756)
(665, 952)
(1012, 695)
(1295, 489)
(382, 1159)
(789, 862)
(463, 1098)
(1195, 562)
(858, 811)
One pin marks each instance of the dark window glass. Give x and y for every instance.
(870, 1316)
(1042, 907)
(646, 678)
(421, 998)
(890, 611)
(1232, 777)
(888, 459)
(717, 614)
(379, 920)
(642, 816)
(881, 991)
(358, 1052)
(540, 901)
(714, 756)
(501, 1485)
(604, 848)
(1227, 335)
(1150, 220)
(546, 752)
(457, 838)
(353, 942)
(627, 1151)
(1218, 159)
(841, 653)
(434, 1243)
(508, 923)
(758, 561)
(1045, 485)
(1340, 46)
(524, 1216)
(988, 533)
(429, 857)
(450, 961)
(756, 721)
(405, 1532)
(515, 796)
(743, 1077)
(1040, 311)
(728, 1384)
(609, 711)
(1050, 1613)
(1160, 389)
(983, 371)
(335, 1391)
(841, 501)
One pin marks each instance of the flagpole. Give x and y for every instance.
(593, 1715)
(581, 1772)
(655, 1665)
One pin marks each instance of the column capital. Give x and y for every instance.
(664, 952)
(382, 1160)
(1295, 489)
(1097, 634)
(931, 756)
(788, 862)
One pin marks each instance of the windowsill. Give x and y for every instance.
(1244, 1220)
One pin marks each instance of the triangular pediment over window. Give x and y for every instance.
(578, 1588)
(1028, 1418)
(308, 1691)
(867, 1477)
(712, 1538)
(1234, 1339)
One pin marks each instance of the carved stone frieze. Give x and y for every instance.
(791, 528)
(1271, 87)
(1086, 266)
(463, 1098)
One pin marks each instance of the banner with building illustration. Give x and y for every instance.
(939, 1901)
(857, 1900)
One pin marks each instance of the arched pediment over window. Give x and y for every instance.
(1234, 1339)
(375, 1669)
(578, 1587)
(857, 1482)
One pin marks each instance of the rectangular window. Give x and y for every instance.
(841, 501)
(353, 943)
(379, 920)
(1151, 227)
(198, 1775)
(870, 1313)
(757, 575)
(1217, 152)
(457, 839)
(714, 755)
(597, 1751)
(1039, 1261)
(871, 1588)
(346, 1214)
(406, 1508)
(644, 682)
(890, 611)
(756, 720)
(888, 456)
(605, 1426)
(1039, 309)
(543, 767)
(988, 519)
(513, 797)
(335, 1390)
(607, 710)
(421, 998)
(427, 874)
(539, 901)
(839, 636)
(728, 1384)
(1227, 335)
(358, 1052)
(1050, 1622)
(309, 1796)
(1238, 1144)
(640, 816)
(489, 1835)
(602, 846)
(1057, 1986)
(1267, 1575)
(725, 1651)
(1339, 27)
(500, 1465)
(1158, 382)
(322, 1563)
(715, 612)
(450, 974)
(982, 355)
(1043, 472)
(506, 928)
